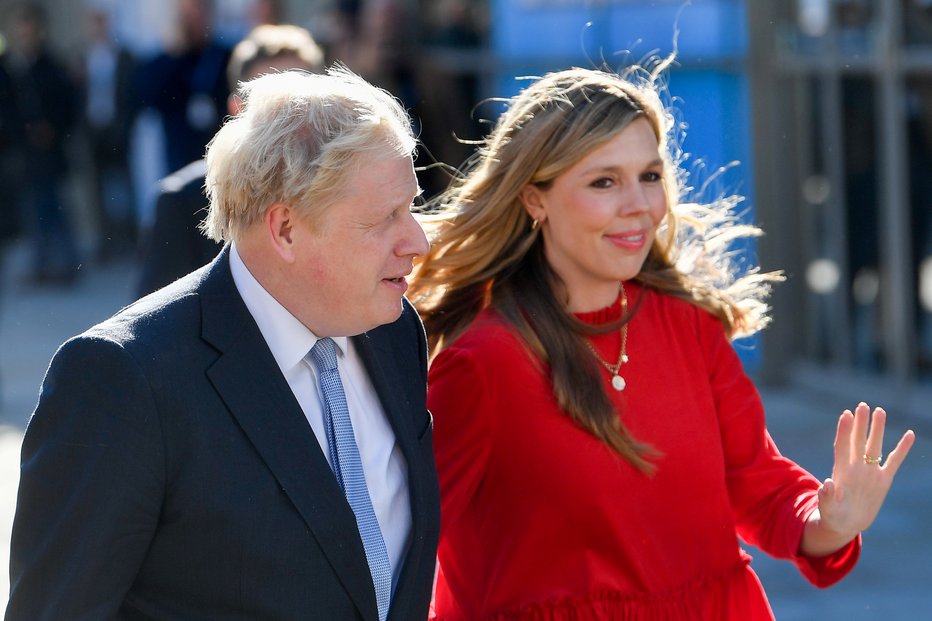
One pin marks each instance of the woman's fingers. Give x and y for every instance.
(843, 441)
(859, 432)
(897, 455)
(873, 448)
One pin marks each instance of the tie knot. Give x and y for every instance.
(324, 354)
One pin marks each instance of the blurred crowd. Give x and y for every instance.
(68, 188)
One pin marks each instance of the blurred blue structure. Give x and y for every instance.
(708, 86)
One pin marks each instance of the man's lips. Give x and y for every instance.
(400, 281)
(399, 277)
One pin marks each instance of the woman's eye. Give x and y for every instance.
(651, 176)
(602, 182)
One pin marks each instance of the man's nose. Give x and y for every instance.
(414, 241)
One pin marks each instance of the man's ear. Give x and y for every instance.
(234, 104)
(279, 221)
(530, 197)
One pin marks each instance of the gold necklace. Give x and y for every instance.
(618, 382)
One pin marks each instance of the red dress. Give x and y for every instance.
(541, 521)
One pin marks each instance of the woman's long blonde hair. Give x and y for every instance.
(485, 251)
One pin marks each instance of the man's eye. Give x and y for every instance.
(396, 213)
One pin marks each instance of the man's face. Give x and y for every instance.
(351, 263)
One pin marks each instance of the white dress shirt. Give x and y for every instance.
(384, 465)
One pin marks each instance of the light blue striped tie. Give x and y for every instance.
(347, 467)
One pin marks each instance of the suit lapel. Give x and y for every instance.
(391, 389)
(251, 385)
(393, 386)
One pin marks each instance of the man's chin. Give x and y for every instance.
(384, 317)
(393, 315)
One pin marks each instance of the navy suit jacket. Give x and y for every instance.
(169, 473)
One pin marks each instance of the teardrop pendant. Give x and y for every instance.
(618, 383)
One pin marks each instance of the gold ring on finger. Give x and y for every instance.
(873, 461)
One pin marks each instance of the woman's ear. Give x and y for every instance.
(532, 199)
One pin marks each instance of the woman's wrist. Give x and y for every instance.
(821, 538)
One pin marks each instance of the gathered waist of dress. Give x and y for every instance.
(696, 599)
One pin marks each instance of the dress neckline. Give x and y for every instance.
(612, 312)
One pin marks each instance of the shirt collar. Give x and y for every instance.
(287, 338)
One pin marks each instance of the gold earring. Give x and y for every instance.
(535, 224)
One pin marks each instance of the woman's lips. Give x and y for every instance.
(632, 240)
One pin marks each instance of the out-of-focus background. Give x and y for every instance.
(825, 105)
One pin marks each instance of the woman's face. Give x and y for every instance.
(599, 217)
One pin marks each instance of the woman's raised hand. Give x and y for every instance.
(850, 500)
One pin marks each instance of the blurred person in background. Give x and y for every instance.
(11, 141)
(375, 39)
(429, 54)
(446, 77)
(44, 96)
(10, 167)
(187, 84)
(174, 244)
(599, 447)
(266, 12)
(106, 76)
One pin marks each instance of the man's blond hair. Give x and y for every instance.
(296, 140)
